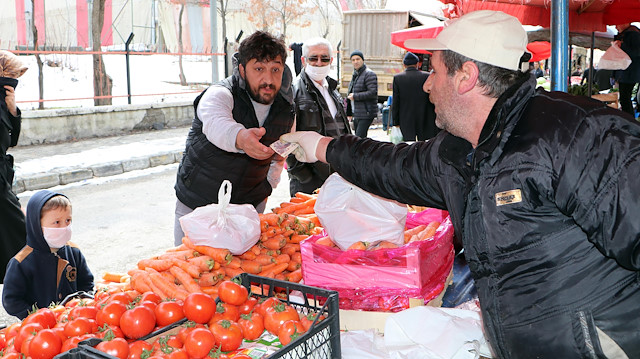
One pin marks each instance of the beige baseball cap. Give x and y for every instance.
(492, 37)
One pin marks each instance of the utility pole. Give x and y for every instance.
(213, 13)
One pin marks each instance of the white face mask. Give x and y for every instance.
(317, 73)
(57, 237)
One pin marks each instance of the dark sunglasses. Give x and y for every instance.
(325, 60)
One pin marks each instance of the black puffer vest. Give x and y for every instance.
(204, 166)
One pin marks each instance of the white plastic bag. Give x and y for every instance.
(614, 59)
(396, 135)
(350, 214)
(223, 225)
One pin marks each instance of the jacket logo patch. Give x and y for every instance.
(71, 273)
(508, 197)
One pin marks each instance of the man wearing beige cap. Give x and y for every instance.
(541, 188)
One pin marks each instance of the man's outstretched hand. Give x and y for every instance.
(308, 142)
(248, 140)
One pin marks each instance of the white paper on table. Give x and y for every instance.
(435, 333)
(363, 344)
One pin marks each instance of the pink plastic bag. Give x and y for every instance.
(384, 279)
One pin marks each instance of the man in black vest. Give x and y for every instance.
(235, 122)
(319, 108)
(411, 108)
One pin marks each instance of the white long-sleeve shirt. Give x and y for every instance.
(215, 110)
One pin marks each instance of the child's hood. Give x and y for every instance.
(35, 238)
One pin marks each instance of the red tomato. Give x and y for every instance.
(60, 331)
(83, 311)
(45, 345)
(252, 325)
(24, 348)
(199, 307)
(199, 343)
(137, 322)
(110, 314)
(151, 296)
(262, 305)
(227, 334)
(168, 312)
(186, 328)
(117, 347)
(12, 356)
(232, 293)
(137, 348)
(277, 315)
(3, 342)
(308, 319)
(27, 330)
(73, 342)
(248, 305)
(79, 326)
(121, 297)
(45, 316)
(85, 302)
(289, 331)
(178, 354)
(109, 332)
(149, 304)
(227, 311)
(12, 330)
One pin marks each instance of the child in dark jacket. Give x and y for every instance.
(48, 268)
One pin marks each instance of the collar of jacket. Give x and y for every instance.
(360, 70)
(500, 122)
(286, 91)
(308, 81)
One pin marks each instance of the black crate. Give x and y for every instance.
(322, 341)
(85, 350)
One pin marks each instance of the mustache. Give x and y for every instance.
(270, 86)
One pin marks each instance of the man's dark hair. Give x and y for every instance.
(495, 80)
(261, 46)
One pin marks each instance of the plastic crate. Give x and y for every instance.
(322, 341)
(85, 350)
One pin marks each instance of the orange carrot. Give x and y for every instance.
(283, 258)
(248, 255)
(271, 272)
(296, 257)
(204, 263)
(295, 276)
(293, 265)
(384, 245)
(179, 248)
(279, 276)
(221, 255)
(413, 231)
(276, 242)
(255, 249)
(232, 272)
(264, 259)
(313, 218)
(138, 283)
(185, 279)
(360, 245)
(210, 278)
(157, 264)
(234, 262)
(184, 255)
(271, 219)
(300, 206)
(160, 285)
(325, 241)
(252, 267)
(296, 200)
(192, 269)
(211, 290)
(305, 196)
(297, 238)
(428, 232)
(289, 248)
(113, 277)
(304, 210)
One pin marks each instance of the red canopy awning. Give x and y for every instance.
(540, 50)
(584, 15)
(419, 32)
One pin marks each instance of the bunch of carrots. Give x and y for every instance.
(191, 268)
(418, 233)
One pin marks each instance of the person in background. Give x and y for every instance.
(49, 267)
(411, 108)
(603, 79)
(537, 71)
(362, 95)
(540, 186)
(296, 47)
(236, 120)
(319, 107)
(628, 39)
(12, 227)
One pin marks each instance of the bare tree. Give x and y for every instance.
(183, 79)
(261, 14)
(102, 83)
(34, 29)
(222, 10)
(291, 12)
(374, 4)
(324, 7)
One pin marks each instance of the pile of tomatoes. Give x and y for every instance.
(119, 319)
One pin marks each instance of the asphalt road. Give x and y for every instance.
(119, 220)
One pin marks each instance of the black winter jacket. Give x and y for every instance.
(204, 166)
(364, 86)
(631, 45)
(38, 276)
(546, 209)
(312, 114)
